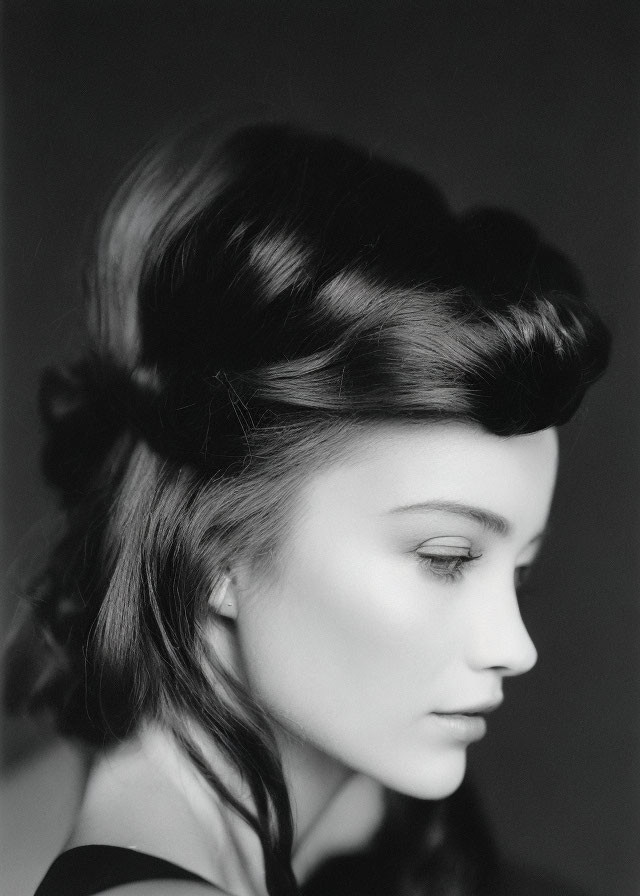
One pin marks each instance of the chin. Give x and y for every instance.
(431, 779)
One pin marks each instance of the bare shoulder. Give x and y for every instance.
(168, 888)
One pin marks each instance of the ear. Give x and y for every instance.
(224, 599)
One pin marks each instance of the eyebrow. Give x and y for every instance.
(493, 522)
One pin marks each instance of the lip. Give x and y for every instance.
(461, 727)
(468, 724)
(477, 709)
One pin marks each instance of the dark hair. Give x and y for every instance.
(252, 303)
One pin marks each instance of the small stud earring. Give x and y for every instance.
(220, 601)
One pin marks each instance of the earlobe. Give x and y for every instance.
(223, 599)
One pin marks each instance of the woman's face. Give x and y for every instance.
(393, 619)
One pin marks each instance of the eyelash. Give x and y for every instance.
(448, 568)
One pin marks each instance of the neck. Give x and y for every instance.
(313, 781)
(134, 788)
(145, 794)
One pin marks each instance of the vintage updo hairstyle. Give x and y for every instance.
(252, 304)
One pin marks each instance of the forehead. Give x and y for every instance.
(398, 466)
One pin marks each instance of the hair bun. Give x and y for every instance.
(88, 405)
(83, 411)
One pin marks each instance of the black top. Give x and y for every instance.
(85, 870)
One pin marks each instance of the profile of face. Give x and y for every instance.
(392, 619)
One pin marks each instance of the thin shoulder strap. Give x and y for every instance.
(86, 870)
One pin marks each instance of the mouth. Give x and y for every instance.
(479, 709)
(466, 724)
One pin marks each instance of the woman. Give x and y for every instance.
(306, 460)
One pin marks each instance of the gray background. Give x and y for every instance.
(534, 106)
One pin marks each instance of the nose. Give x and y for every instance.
(498, 638)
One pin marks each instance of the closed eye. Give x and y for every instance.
(447, 567)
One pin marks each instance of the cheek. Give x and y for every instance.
(357, 643)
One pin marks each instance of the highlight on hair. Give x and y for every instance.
(253, 305)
